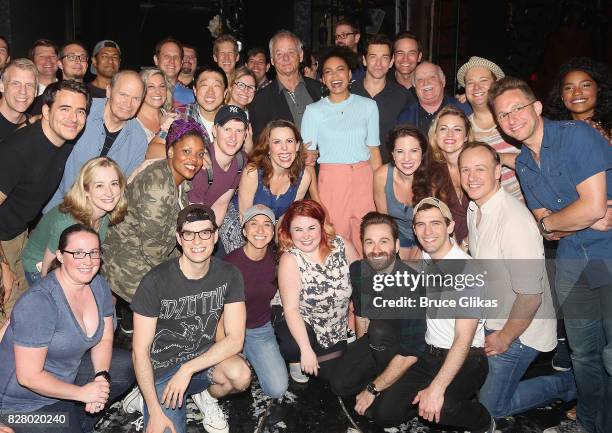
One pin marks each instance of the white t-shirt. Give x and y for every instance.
(441, 332)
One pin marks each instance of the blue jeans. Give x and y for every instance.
(588, 324)
(122, 379)
(505, 394)
(199, 382)
(262, 352)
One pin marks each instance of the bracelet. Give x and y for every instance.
(105, 374)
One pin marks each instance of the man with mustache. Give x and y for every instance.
(373, 367)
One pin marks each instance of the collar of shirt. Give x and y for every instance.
(281, 87)
(455, 253)
(491, 206)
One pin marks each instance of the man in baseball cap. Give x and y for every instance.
(105, 63)
(433, 226)
(228, 159)
(231, 112)
(476, 76)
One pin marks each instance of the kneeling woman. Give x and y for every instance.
(256, 261)
(43, 367)
(315, 289)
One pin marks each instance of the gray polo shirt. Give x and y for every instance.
(297, 100)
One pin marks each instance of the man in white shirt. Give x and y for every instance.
(454, 365)
(503, 231)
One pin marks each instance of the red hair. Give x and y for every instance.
(311, 209)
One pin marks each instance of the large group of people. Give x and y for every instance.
(229, 223)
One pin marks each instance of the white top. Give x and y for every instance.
(441, 332)
(508, 237)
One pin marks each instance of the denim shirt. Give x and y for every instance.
(128, 150)
(571, 152)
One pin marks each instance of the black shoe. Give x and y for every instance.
(561, 360)
(126, 324)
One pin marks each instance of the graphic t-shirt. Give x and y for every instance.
(187, 310)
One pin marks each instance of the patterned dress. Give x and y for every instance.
(325, 294)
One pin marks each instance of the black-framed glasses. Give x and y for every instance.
(74, 57)
(504, 115)
(243, 86)
(343, 36)
(80, 255)
(205, 234)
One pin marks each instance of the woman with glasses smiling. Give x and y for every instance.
(242, 87)
(44, 364)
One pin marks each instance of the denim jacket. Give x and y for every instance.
(128, 150)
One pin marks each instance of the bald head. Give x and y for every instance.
(429, 82)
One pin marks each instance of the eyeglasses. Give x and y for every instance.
(243, 86)
(74, 57)
(504, 115)
(80, 255)
(343, 36)
(202, 234)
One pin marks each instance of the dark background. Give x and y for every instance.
(527, 38)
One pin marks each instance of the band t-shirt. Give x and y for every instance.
(187, 310)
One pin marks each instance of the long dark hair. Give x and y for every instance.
(421, 183)
(555, 108)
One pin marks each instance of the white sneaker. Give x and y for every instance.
(295, 371)
(214, 418)
(133, 402)
(138, 423)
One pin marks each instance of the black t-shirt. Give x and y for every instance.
(408, 319)
(31, 168)
(390, 101)
(109, 140)
(6, 127)
(96, 92)
(187, 310)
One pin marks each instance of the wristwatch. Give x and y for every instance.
(105, 374)
(371, 388)
(542, 227)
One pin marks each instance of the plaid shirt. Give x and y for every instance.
(191, 112)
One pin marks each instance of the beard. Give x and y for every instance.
(380, 261)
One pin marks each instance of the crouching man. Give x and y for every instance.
(176, 311)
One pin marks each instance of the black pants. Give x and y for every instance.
(291, 351)
(365, 359)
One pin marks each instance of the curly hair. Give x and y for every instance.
(421, 187)
(183, 128)
(440, 179)
(555, 108)
(260, 156)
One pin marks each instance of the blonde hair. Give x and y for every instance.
(76, 202)
(448, 110)
(145, 76)
(238, 73)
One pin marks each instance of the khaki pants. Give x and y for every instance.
(13, 249)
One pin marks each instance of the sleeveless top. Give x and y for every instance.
(401, 213)
(325, 294)
(279, 204)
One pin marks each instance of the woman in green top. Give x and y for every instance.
(97, 199)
